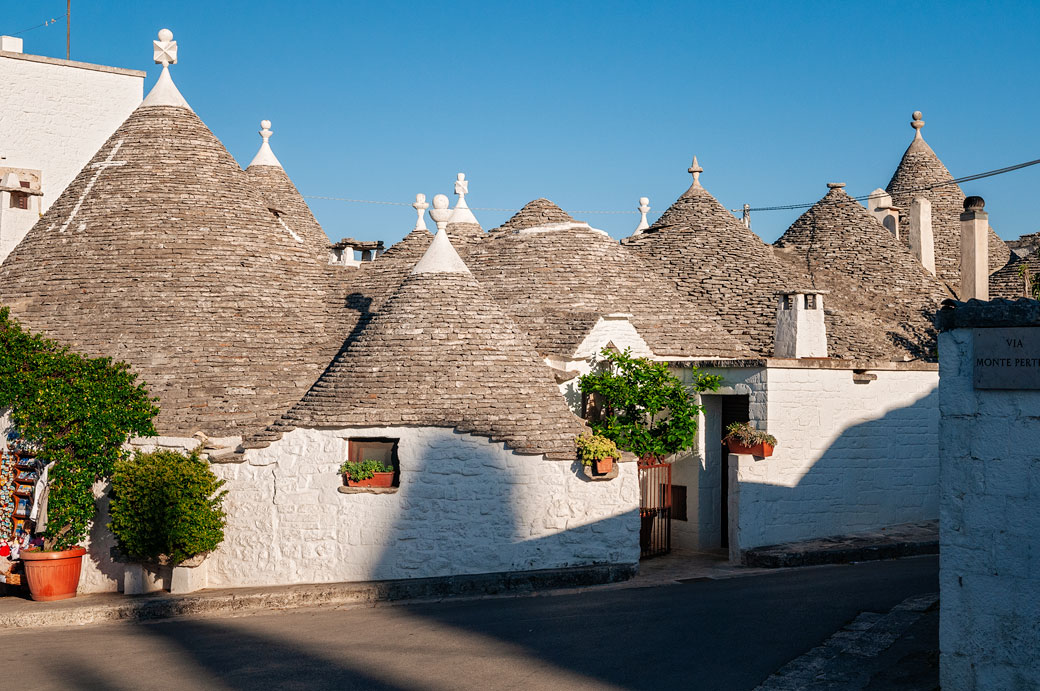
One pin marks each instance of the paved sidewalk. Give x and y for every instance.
(890, 542)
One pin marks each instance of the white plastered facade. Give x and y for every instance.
(52, 122)
(466, 505)
(852, 456)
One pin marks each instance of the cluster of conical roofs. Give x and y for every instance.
(214, 284)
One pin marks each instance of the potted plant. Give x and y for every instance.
(76, 413)
(596, 450)
(742, 438)
(368, 473)
(166, 510)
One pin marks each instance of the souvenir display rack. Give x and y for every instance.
(18, 475)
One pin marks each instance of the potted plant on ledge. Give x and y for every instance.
(742, 438)
(368, 473)
(598, 451)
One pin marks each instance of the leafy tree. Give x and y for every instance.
(643, 407)
(75, 411)
(166, 506)
(1032, 280)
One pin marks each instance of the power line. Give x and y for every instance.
(780, 207)
(38, 26)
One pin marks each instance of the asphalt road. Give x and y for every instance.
(717, 634)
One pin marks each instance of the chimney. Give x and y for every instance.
(11, 44)
(800, 329)
(974, 250)
(878, 199)
(890, 219)
(922, 242)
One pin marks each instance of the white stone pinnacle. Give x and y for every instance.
(165, 92)
(644, 209)
(461, 212)
(695, 170)
(440, 256)
(420, 207)
(917, 123)
(265, 156)
(440, 213)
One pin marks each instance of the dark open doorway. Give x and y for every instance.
(734, 409)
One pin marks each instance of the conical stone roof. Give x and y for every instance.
(1008, 282)
(556, 277)
(441, 352)
(717, 263)
(919, 168)
(162, 253)
(881, 299)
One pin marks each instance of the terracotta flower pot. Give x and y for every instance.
(762, 450)
(604, 465)
(377, 480)
(53, 575)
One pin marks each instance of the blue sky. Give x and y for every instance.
(591, 104)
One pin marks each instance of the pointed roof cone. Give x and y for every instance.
(165, 92)
(920, 168)
(717, 263)
(284, 199)
(441, 353)
(162, 253)
(556, 277)
(839, 246)
(463, 226)
(1008, 281)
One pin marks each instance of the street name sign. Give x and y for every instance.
(1007, 358)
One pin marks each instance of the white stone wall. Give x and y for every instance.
(851, 456)
(54, 116)
(989, 625)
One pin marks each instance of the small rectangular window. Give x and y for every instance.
(376, 449)
(19, 200)
(810, 302)
(24, 183)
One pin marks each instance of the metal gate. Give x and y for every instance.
(655, 508)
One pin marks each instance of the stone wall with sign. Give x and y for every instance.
(989, 400)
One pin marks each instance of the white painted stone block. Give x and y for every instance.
(138, 580)
(188, 579)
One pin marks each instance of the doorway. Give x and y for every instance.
(733, 409)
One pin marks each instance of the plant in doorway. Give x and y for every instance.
(743, 438)
(598, 451)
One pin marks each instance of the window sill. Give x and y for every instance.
(368, 490)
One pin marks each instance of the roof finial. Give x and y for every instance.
(165, 49)
(165, 93)
(917, 123)
(644, 209)
(265, 157)
(696, 170)
(461, 212)
(420, 207)
(440, 213)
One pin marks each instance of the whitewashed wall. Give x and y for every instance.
(54, 117)
(466, 505)
(851, 456)
(989, 631)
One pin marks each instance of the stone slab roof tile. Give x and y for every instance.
(1008, 282)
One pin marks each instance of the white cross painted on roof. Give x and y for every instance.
(99, 168)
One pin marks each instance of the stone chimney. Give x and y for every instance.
(889, 217)
(800, 328)
(922, 242)
(974, 250)
(878, 200)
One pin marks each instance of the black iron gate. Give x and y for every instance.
(655, 508)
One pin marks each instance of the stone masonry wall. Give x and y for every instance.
(465, 506)
(52, 119)
(989, 522)
(851, 456)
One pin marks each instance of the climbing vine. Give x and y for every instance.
(76, 412)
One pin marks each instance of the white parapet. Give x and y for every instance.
(800, 328)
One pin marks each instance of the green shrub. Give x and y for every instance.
(166, 507)
(74, 411)
(363, 470)
(645, 408)
(595, 447)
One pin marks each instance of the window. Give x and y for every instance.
(19, 200)
(377, 449)
(810, 302)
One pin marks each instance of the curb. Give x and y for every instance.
(93, 609)
(907, 540)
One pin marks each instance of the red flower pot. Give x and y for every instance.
(377, 480)
(53, 575)
(604, 465)
(762, 450)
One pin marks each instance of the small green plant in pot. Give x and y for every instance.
(167, 507)
(368, 473)
(596, 450)
(743, 438)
